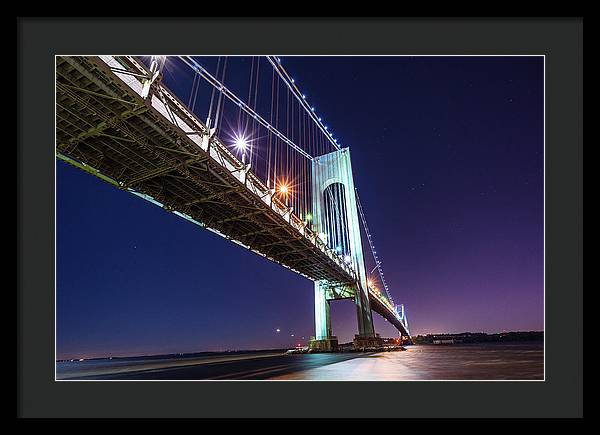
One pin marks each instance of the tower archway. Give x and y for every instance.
(336, 221)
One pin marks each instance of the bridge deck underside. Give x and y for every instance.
(384, 312)
(103, 124)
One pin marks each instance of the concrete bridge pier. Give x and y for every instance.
(366, 336)
(324, 340)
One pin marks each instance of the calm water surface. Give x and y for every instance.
(490, 361)
(476, 361)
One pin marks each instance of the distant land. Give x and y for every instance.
(177, 355)
(463, 337)
(479, 337)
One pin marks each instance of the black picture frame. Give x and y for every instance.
(560, 40)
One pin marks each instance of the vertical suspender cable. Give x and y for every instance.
(212, 97)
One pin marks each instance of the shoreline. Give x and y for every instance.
(205, 354)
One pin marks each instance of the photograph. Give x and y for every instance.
(299, 217)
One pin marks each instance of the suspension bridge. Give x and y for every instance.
(234, 147)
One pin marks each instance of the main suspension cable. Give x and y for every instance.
(224, 91)
(373, 252)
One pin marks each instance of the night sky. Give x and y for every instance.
(447, 155)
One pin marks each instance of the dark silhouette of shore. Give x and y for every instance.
(480, 337)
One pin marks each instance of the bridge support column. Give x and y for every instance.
(363, 312)
(324, 341)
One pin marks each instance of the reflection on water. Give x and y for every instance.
(489, 361)
(477, 361)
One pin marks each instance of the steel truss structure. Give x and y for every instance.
(115, 120)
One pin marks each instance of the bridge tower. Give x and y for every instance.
(335, 219)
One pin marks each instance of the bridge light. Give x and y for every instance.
(308, 217)
(284, 189)
(347, 259)
(159, 60)
(319, 119)
(293, 81)
(240, 141)
(369, 283)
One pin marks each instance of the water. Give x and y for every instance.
(483, 361)
(107, 366)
